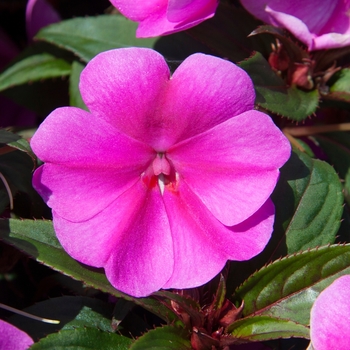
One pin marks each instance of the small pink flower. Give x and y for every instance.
(160, 17)
(12, 338)
(330, 317)
(167, 177)
(318, 24)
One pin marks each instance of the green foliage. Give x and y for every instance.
(168, 337)
(83, 338)
(309, 205)
(86, 37)
(287, 288)
(34, 68)
(260, 328)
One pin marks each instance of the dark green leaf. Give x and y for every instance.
(86, 37)
(83, 338)
(287, 288)
(34, 68)
(337, 147)
(72, 312)
(74, 93)
(168, 337)
(37, 238)
(260, 328)
(309, 205)
(341, 81)
(273, 95)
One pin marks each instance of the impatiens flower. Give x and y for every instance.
(12, 338)
(330, 317)
(167, 177)
(159, 17)
(318, 24)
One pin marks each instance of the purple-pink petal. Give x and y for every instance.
(140, 99)
(202, 245)
(233, 173)
(39, 14)
(330, 317)
(12, 338)
(319, 25)
(190, 10)
(129, 95)
(131, 239)
(202, 98)
(86, 159)
(161, 17)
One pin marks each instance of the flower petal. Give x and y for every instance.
(312, 22)
(39, 14)
(86, 159)
(131, 239)
(125, 87)
(73, 192)
(139, 10)
(137, 97)
(160, 17)
(200, 98)
(330, 316)
(12, 338)
(233, 167)
(202, 245)
(296, 26)
(313, 13)
(75, 138)
(159, 24)
(188, 10)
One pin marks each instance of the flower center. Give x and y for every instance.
(161, 172)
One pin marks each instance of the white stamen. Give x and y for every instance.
(161, 183)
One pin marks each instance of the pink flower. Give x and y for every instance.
(318, 24)
(330, 317)
(12, 338)
(167, 177)
(160, 17)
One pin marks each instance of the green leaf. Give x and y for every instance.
(86, 37)
(260, 328)
(37, 238)
(72, 312)
(168, 337)
(74, 92)
(287, 288)
(340, 86)
(34, 68)
(309, 205)
(83, 338)
(273, 95)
